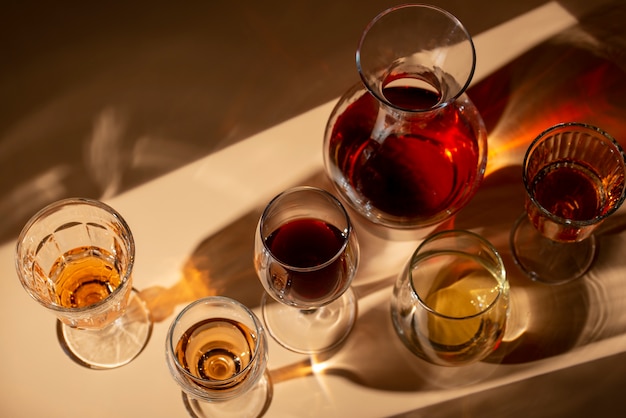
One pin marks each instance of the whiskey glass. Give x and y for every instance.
(574, 177)
(450, 304)
(306, 255)
(75, 257)
(216, 351)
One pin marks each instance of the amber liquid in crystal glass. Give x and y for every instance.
(75, 257)
(216, 349)
(84, 276)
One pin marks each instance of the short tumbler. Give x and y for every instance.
(450, 304)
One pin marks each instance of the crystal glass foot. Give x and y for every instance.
(306, 255)
(450, 305)
(574, 176)
(216, 350)
(405, 147)
(310, 330)
(75, 257)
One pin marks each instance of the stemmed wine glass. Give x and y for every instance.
(216, 351)
(574, 176)
(306, 255)
(75, 257)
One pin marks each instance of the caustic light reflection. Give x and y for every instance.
(572, 77)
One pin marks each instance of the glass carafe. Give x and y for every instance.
(406, 148)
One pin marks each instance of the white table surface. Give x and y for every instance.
(372, 375)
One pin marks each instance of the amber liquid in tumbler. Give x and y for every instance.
(418, 170)
(306, 244)
(216, 350)
(570, 190)
(84, 276)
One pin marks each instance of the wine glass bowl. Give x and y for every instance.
(306, 255)
(574, 176)
(406, 148)
(216, 350)
(75, 257)
(450, 305)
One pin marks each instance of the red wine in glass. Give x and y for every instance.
(574, 175)
(569, 190)
(310, 266)
(416, 171)
(306, 254)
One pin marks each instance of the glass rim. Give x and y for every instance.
(482, 240)
(55, 207)
(345, 233)
(582, 127)
(440, 104)
(212, 300)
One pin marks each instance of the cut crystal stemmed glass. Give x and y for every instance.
(75, 257)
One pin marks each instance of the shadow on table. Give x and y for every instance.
(545, 320)
(220, 265)
(574, 76)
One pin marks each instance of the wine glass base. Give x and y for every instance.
(548, 261)
(310, 331)
(112, 346)
(253, 403)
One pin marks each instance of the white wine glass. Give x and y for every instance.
(450, 305)
(216, 351)
(75, 257)
(306, 255)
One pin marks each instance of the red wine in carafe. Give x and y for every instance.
(419, 167)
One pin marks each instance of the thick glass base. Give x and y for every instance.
(548, 261)
(113, 346)
(310, 331)
(253, 403)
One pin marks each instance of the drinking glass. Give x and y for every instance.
(405, 147)
(75, 257)
(306, 254)
(450, 305)
(216, 351)
(574, 179)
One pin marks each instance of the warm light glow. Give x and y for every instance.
(318, 367)
(564, 80)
